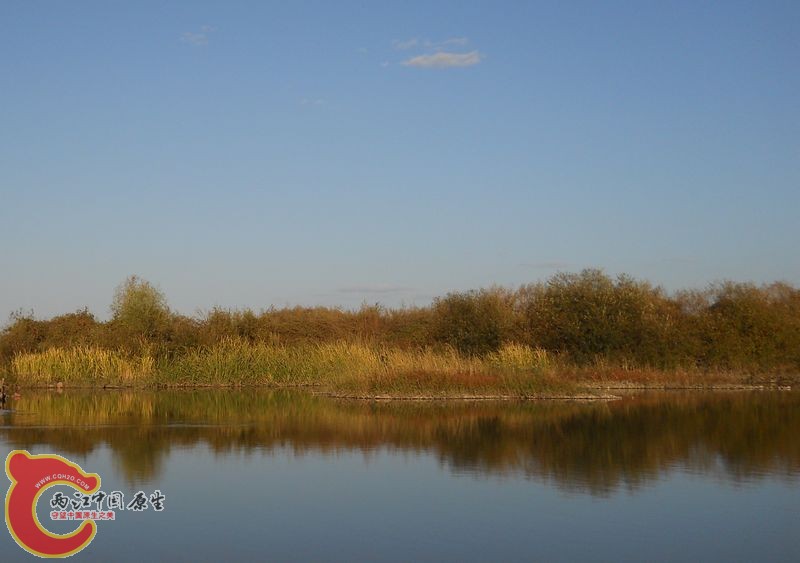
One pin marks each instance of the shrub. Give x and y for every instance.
(474, 322)
(140, 310)
(588, 314)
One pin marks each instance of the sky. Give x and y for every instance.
(248, 154)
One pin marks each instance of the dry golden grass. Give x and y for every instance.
(338, 366)
(350, 369)
(81, 366)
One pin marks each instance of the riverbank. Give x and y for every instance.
(352, 370)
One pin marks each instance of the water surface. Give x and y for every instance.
(278, 475)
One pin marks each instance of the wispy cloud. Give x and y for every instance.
(312, 102)
(200, 38)
(378, 288)
(460, 41)
(405, 44)
(444, 59)
(416, 42)
(437, 54)
(554, 265)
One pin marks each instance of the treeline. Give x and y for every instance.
(582, 317)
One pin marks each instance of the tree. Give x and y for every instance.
(139, 308)
(590, 314)
(474, 322)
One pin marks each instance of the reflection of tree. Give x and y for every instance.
(587, 447)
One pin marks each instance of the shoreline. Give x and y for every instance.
(583, 392)
(359, 370)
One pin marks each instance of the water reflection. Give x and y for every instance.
(596, 448)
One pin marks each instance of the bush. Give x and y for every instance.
(587, 315)
(474, 322)
(580, 319)
(139, 310)
(747, 327)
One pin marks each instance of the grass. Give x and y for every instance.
(340, 367)
(80, 366)
(586, 322)
(348, 369)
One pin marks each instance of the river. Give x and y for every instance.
(291, 476)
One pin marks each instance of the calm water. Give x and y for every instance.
(289, 476)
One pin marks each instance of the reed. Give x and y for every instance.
(81, 366)
(518, 357)
(337, 366)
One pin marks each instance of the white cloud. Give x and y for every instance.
(452, 41)
(407, 44)
(456, 41)
(444, 59)
(198, 39)
(194, 38)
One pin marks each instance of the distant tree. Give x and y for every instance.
(590, 314)
(473, 322)
(23, 334)
(140, 309)
(73, 329)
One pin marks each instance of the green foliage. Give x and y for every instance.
(746, 327)
(588, 314)
(139, 309)
(23, 334)
(474, 322)
(73, 329)
(583, 319)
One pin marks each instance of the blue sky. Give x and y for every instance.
(244, 154)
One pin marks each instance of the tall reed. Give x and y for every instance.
(339, 366)
(81, 366)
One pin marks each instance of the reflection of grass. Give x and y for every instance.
(355, 368)
(593, 447)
